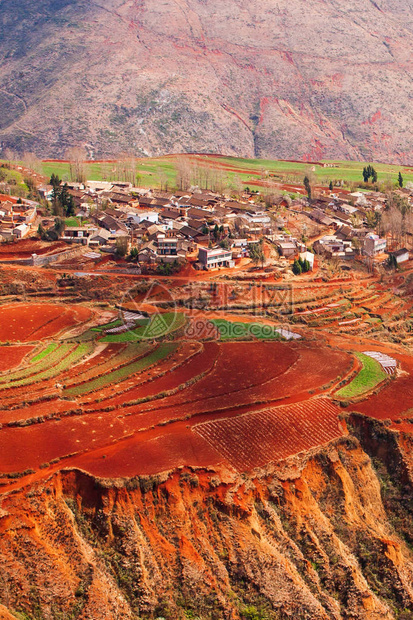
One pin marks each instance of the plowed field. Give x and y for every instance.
(33, 322)
(10, 357)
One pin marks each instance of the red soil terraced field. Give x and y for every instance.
(10, 357)
(252, 374)
(257, 438)
(26, 247)
(395, 400)
(192, 384)
(33, 322)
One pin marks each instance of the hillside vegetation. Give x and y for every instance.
(292, 80)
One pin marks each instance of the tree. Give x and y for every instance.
(297, 269)
(392, 262)
(162, 179)
(256, 253)
(55, 183)
(225, 244)
(371, 219)
(400, 180)
(307, 186)
(357, 245)
(397, 217)
(77, 156)
(32, 162)
(41, 231)
(59, 226)
(183, 172)
(122, 246)
(66, 201)
(331, 186)
(369, 172)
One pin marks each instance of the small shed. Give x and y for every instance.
(401, 255)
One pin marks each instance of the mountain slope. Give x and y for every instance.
(274, 78)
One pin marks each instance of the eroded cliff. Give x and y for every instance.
(324, 536)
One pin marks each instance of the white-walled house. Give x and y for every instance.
(308, 256)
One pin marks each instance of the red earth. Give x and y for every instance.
(26, 247)
(10, 357)
(33, 322)
(254, 439)
(229, 379)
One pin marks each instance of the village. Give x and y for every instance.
(149, 231)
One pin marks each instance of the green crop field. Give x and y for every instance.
(52, 347)
(120, 374)
(67, 362)
(245, 331)
(369, 376)
(159, 326)
(47, 358)
(154, 172)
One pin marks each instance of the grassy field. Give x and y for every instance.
(369, 376)
(153, 172)
(75, 221)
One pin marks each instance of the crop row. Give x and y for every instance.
(122, 373)
(72, 358)
(118, 360)
(368, 378)
(47, 361)
(255, 439)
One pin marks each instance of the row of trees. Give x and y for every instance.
(301, 266)
(369, 173)
(397, 219)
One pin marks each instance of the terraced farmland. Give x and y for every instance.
(257, 438)
(100, 400)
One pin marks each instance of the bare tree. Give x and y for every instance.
(32, 162)
(183, 172)
(77, 157)
(9, 155)
(162, 179)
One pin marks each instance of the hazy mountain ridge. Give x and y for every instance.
(272, 79)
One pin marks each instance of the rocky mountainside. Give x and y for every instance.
(268, 78)
(324, 536)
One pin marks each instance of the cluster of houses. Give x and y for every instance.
(210, 229)
(346, 217)
(165, 227)
(17, 217)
